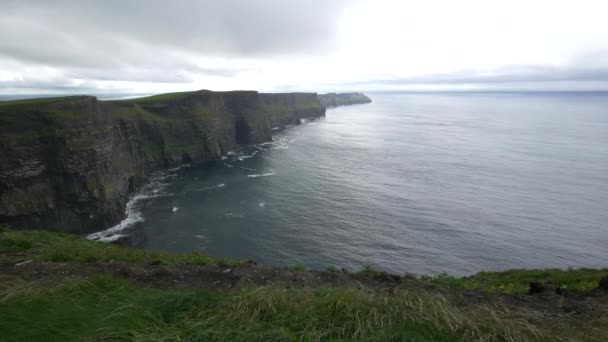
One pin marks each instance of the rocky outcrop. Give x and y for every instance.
(343, 99)
(290, 109)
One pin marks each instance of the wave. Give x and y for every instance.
(250, 151)
(207, 188)
(156, 186)
(243, 157)
(235, 215)
(261, 175)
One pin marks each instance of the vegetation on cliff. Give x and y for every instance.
(59, 287)
(71, 163)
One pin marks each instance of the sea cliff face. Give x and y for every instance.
(343, 99)
(70, 164)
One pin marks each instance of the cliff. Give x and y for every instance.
(70, 164)
(343, 99)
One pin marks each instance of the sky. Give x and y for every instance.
(153, 46)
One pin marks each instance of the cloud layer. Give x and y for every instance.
(155, 41)
(155, 46)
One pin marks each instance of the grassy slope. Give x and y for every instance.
(56, 247)
(517, 281)
(106, 308)
(39, 100)
(102, 307)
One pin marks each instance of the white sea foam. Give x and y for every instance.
(113, 233)
(174, 209)
(261, 175)
(155, 187)
(207, 188)
(241, 158)
(235, 215)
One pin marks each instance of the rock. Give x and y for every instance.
(387, 277)
(603, 283)
(541, 287)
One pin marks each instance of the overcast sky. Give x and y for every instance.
(153, 46)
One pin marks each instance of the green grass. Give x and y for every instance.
(47, 246)
(106, 308)
(517, 281)
(103, 308)
(297, 268)
(134, 111)
(160, 98)
(39, 100)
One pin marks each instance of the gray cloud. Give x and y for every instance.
(84, 45)
(158, 41)
(591, 68)
(100, 33)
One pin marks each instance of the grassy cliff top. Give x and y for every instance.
(58, 287)
(30, 115)
(43, 100)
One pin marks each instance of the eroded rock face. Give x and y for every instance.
(343, 99)
(542, 287)
(69, 164)
(603, 283)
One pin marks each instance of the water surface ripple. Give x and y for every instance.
(421, 183)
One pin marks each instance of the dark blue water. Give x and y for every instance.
(420, 183)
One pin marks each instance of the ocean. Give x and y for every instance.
(420, 183)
